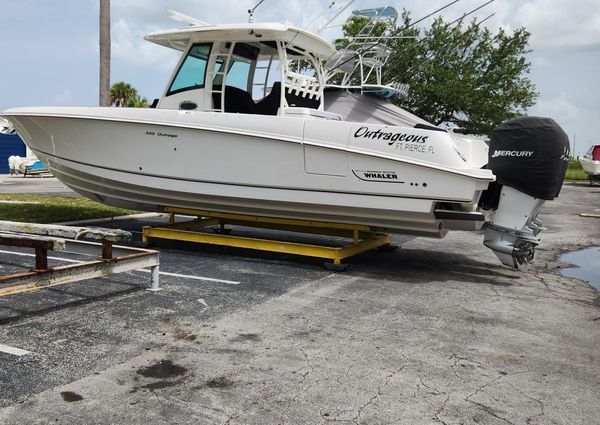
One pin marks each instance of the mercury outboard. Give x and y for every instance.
(529, 157)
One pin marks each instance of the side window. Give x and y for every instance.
(192, 73)
(267, 73)
(588, 154)
(238, 75)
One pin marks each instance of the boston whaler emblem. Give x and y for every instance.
(377, 176)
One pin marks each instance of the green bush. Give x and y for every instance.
(575, 174)
(574, 164)
(575, 171)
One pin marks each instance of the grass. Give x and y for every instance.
(32, 208)
(575, 171)
(576, 175)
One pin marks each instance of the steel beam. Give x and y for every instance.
(363, 237)
(126, 259)
(29, 281)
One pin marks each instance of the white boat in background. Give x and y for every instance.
(591, 163)
(243, 127)
(6, 127)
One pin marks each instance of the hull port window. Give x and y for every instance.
(192, 73)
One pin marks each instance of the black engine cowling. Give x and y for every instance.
(531, 155)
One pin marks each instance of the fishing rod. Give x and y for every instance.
(473, 11)
(430, 55)
(367, 47)
(324, 27)
(448, 25)
(432, 13)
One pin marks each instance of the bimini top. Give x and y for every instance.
(299, 39)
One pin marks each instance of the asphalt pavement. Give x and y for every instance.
(32, 184)
(435, 332)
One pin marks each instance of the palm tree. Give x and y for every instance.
(104, 52)
(124, 94)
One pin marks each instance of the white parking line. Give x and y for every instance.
(14, 351)
(183, 276)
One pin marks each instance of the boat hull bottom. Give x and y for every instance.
(119, 192)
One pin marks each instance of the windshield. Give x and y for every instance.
(192, 73)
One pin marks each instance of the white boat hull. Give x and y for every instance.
(227, 162)
(590, 166)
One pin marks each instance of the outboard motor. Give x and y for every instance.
(529, 157)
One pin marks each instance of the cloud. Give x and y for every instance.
(64, 98)
(132, 19)
(128, 45)
(553, 23)
(559, 107)
(560, 24)
(138, 13)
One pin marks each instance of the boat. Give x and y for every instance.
(243, 127)
(591, 164)
(6, 127)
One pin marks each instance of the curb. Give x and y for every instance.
(110, 219)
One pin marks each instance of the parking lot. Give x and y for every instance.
(435, 332)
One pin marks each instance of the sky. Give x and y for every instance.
(50, 48)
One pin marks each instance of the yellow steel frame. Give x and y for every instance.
(363, 237)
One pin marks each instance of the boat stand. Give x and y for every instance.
(106, 259)
(363, 237)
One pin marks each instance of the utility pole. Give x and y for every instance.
(104, 41)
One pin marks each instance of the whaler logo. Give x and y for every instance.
(525, 154)
(377, 176)
(365, 133)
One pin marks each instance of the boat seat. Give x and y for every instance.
(270, 104)
(236, 100)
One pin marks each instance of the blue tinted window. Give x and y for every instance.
(192, 73)
(238, 75)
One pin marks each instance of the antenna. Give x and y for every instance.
(180, 17)
(251, 11)
(335, 16)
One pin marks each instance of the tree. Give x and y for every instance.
(353, 27)
(124, 94)
(368, 37)
(460, 75)
(104, 41)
